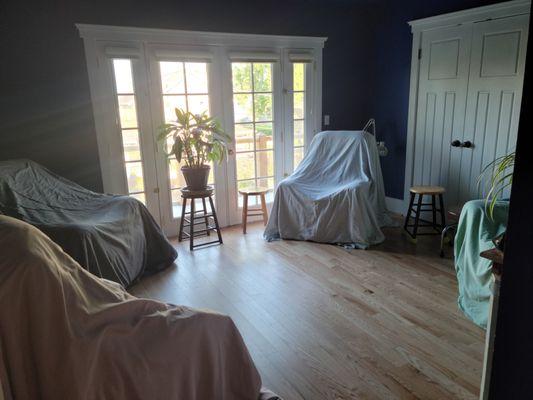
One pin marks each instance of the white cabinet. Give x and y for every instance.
(466, 89)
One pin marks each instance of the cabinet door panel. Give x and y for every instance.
(494, 96)
(443, 82)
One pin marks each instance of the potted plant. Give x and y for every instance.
(500, 177)
(197, 140)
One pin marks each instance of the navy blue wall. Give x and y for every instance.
(45, 109)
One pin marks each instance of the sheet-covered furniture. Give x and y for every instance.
(475, 232)
(335, 195)
(113, 237)
(67, 334)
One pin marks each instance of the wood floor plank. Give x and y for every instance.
(323, 322)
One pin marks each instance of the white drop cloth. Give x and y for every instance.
(335, 195)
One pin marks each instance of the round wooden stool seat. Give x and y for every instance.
(427, 189)
(250, 212)
(254, 191)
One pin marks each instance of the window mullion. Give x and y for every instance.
(253, 121)
(185, 87)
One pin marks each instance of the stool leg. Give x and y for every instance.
(264, 208)
(434, 211)
(442, 211)
(442, 237)
(215, 219)
(191, 230)
(244, 211)
(417, 217)
(205, 218)
(408, 216)
(183, 206)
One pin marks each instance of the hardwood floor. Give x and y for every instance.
(322, 322)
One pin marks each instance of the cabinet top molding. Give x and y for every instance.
(498, 10)
(108, 32)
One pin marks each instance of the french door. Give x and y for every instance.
(256, 126)
(182, 78)
(265, 98)
(270, 121)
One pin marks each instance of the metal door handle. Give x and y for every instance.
(456, 143)
(467, 144)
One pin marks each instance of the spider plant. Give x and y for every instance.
(500, 177)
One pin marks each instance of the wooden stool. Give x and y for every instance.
(204, 217)
(422, 191)
(249, 212)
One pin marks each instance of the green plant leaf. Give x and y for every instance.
(500, 176)
(197, 138)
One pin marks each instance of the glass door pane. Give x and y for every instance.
(253, 125)
(129, 127)
(185, 86)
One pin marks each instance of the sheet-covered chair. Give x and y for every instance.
(335, 195)
(475, 233)
(113, 237)
(67, 334)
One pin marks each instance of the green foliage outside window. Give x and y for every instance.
(256, 78)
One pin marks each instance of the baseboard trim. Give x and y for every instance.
(395, 205)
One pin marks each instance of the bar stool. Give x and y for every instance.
(250, 212)
(422, 191)
(204, 217)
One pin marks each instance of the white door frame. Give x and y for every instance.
(311, 125)
(142, 40)
(154, 54)
(273, 56)
(418, 27)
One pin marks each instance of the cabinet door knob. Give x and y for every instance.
(467, 144)
(456, 143)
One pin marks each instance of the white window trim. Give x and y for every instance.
(101, 42)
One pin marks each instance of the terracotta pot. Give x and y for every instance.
(196, 177)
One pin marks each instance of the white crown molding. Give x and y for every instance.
(107, 32)
(498, 10)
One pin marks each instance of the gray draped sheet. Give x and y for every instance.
(113, 237)
(336, 194)
(66, 334)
